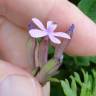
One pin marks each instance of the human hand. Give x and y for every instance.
(16, 15)
(17, 82)
(62, 12)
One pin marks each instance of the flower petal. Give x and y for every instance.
(54, 39)
(38, 23)
(51, 26)
(37, 33)
(49, 23)
(62, 34)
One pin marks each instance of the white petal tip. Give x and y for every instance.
(34, 19)
(67, 37)
(57, 42)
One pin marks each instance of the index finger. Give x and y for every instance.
(64, 13)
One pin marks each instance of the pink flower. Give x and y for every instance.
(49, 31)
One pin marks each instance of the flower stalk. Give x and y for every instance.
(45, 68)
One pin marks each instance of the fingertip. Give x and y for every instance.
(83, 36)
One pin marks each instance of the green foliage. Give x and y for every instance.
(77, 60)
(89, 8)
(93, 59)
(87, 86)
(75, 1)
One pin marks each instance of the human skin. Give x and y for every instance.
(15, 16)
(17, 82)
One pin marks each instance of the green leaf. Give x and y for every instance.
(89, 8)
(94, 82)
(54, 80)
(67, 82)
(93, 59)
(86, 86)
(83, 61)
(77, 78)
(66, 88)
(73, 85)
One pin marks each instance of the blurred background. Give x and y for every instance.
(77, 75)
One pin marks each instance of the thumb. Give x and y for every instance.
(17, 82)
